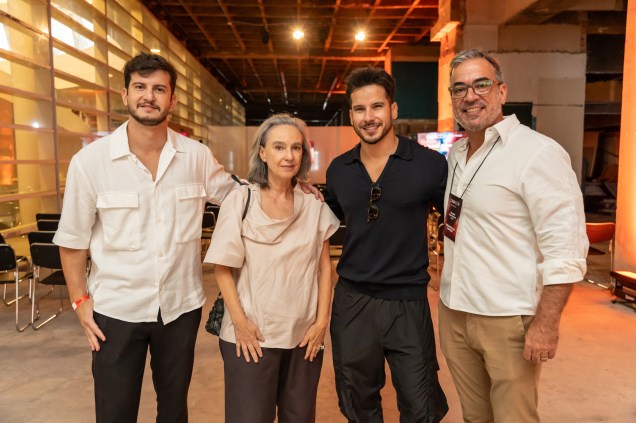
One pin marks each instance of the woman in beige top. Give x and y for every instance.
(273, 268)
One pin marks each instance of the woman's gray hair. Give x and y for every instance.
(258, 168)
(476, 53)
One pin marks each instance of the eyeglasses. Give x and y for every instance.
(480, 87)
(373, 211)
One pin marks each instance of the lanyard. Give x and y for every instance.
(473, 177)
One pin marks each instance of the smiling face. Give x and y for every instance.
(475, 112)
(283, 152)
(371, 113)
(149, 98)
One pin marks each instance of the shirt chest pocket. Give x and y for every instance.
(120, 217)
(189, 211)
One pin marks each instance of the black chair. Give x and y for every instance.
(23, 261)
(209, 207)
(10, 273)
(43, 237)
(207, 228)
(47, 216)
(46, 256)
(47, 224)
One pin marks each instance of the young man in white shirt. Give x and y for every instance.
(514, 244)
(135, 200)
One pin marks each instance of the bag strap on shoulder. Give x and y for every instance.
(249, 195)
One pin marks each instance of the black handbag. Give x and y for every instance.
(215, 318)
(213, 325)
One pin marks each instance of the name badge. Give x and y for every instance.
(451, 220)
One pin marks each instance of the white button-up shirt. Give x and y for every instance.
(143, 235)
(521, 227)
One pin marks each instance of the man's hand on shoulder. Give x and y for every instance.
(310, 189)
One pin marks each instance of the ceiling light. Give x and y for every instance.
(155, 50)
(360, 36)
(298, 34)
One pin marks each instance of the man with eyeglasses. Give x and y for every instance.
(383, 188)
(515, 243)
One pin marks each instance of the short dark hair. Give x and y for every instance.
(258, 173)
(369, 75)
(476, 53)
(144, 64)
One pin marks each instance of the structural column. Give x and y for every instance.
(625, 257)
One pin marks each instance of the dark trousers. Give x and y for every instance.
(118, 367)
(364, 332)
(281, 377)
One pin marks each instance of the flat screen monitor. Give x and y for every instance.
(439, 141)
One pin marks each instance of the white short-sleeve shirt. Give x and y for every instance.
(143, 235)
(276, 261)
(522, 224)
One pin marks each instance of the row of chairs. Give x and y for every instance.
(44, 268)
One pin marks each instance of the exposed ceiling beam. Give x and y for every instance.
(397, 27)
(295, 90)
(199, 25)
(336, 7)
(299, 56)
(376, 4)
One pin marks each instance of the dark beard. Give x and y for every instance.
(148, 121)
(373, 141)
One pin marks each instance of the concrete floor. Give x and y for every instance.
(46, 375)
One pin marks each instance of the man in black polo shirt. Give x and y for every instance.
(382, 189)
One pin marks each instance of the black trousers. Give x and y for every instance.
(118, 367)
(282, 377)
(364, 332)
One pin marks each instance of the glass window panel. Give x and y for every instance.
(80, 94)
(79, 121)
(29, 11)
(69, 145)
(134, 7)
(68, 62)
(120, 39)
(116, 79)
(22, 211)
(153, 24)
(9, 214)
(99, 5)
(69, 36)
(116, 59)
(24, 42)
(83, 14)
(19, 110)
(23, 144)
(116, 122)
(30, 178)
(117, 104)
(25, 77)
(151, 41)
(120, 16)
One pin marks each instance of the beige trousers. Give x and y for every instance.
(485, 357)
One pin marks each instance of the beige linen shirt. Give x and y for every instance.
(276, 263)
(143, 235)
(521, 227)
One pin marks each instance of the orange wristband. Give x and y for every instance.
(79, 301)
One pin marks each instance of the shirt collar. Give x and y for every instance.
(119, 142)
(404, 151)
(499, 130)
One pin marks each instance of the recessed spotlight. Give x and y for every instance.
(298, 34)
(360, 36)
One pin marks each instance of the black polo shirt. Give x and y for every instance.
(387, 257)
